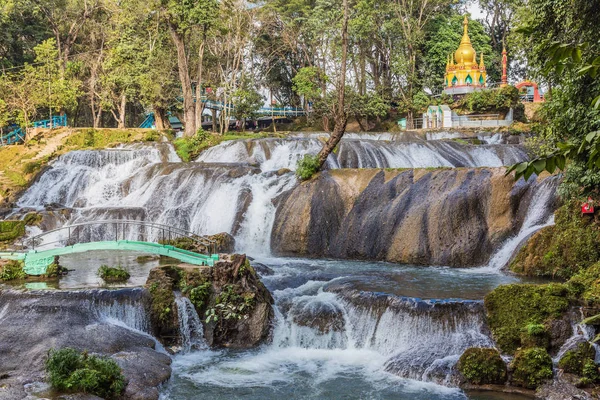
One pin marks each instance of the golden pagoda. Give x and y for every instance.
(463, 73)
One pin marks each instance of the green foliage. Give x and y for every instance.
(586, 285)
(11, 230)
(247, 100)
(531, 367)
(309, 81)
(574, 361)
(199, 294)
(188, 148)
(32, 167)
(12, 270)
(230, 305)
(113, 274)
(590, 373)
(512, 308)
(72, 371)
(496, 100)
(482, 366)
(572, 245)
(307, 167)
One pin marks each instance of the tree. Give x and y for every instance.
(568, 57)
(182, 19)
(247, 102)
(413, 16)
(340, 115)
(308, 83)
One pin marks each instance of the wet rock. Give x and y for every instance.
(456, 217)
(232, 287)
(320, 315)
(31, 323)
(224, 242)
(560, 330)
(561, 389)
(262, 269)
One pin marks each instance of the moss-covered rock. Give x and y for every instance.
(574, 360)
(531, 367)
(11, 230)
(482, 366)
(113, 274)
(562, 250)
(234, 306)
(585, 285)
(512, 308)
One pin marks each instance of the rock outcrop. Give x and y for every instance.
(233, 304)
(31, 323)
(455, 217)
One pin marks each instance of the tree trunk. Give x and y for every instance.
(341, 118)
(98, 118)
(214, 120)
(199, 105)
(122, 110)
(160, 119)
(189, 116)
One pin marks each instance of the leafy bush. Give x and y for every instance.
(188, 148)
(113, 274)
(499, 100)
(482, 366)
(307, 167)
(512, 308)
(12, 270)
(531, 367)
(71, 371)
(199, 295)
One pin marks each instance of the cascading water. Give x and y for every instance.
(273, 154)
(539, 215)
(190, 328)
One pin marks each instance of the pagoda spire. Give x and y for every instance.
(481, 63)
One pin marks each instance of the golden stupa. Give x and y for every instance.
(463, 74)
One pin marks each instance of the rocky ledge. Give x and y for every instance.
(95, 321)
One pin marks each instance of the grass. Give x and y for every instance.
(113, 274)
(12, 270)
(69, 370)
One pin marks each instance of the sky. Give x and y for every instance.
(475, 10)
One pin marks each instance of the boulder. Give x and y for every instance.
(233, 304)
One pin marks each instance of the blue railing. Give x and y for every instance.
(15, 136)
(148, 122)
(55, 122)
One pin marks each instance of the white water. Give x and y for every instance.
(190, 328)
(539, 215)
(275, 154)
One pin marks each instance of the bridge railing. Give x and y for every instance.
(116, 230)
(55, 122)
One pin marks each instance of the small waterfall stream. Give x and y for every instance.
(190, 327)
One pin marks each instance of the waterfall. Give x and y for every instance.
(190, 327)
(127, 307)
(273, 154)
(540, 214)
(412, 338)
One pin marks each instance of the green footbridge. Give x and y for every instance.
(78, 238)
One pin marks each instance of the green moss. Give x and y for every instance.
(200, 294)
(511, 308)
(482, 366)
(535, 335)
(531, 367)
(12, 270)
(590, 373)
(573, 361)
(16, 178)
(586, 286)
(113, 274)
(307, 167)
(162, 299)
(71, 371)
(11, 230)
(561, 251)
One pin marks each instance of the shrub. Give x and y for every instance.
(512, 308)
(307, 167)
(71, 371)
(531, 367)
(188, 148)
(199, 295)
(113, 274)
(482, 366)
(574, 361)
(12, 270)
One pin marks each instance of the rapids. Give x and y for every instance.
(343, 329)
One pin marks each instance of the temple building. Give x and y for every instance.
(463, 73)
